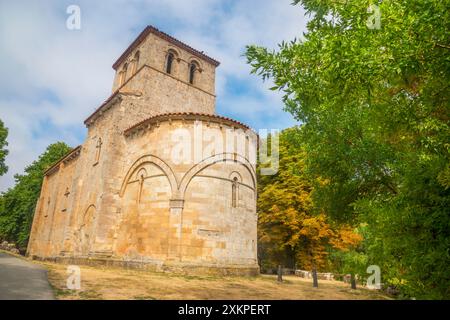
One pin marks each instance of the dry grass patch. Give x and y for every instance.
(115, 283)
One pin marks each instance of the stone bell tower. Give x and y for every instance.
(169, 74)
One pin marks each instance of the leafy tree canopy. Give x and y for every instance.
(374, 103)
(17, 205)
(3, 150)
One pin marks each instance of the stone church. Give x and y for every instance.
(161, 181)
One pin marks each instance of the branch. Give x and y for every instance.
(442, 46)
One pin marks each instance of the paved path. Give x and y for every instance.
(23, 280)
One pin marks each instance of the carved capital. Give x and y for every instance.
(176, 203)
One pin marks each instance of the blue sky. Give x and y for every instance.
(53, 78)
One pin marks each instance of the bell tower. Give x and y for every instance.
(162, 68)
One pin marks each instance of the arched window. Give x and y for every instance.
(141, 175)
(123, 74)
(120, 78)
(169, 62)
(192, 69)
(234, 191)
(135, 62)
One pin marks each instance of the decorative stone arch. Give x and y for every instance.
(235, 174)
(174, 50)
(195, 60)
(194, 70)
(89, 209)
(135, 62)
(193, 171)
(123, 74)
(164, 167)
(87, 229)
(141, 172)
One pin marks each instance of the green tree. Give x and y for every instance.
(3, 150)
(375, 110)
(17, 205)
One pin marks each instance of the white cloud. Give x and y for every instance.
(51, 75)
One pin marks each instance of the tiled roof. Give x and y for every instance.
(165, 36)
(187, 116)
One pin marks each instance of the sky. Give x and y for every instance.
(53, 78)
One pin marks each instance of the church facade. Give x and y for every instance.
(161, 181)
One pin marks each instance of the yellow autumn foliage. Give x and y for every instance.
(289, 232)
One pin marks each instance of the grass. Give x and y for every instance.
(115, 283)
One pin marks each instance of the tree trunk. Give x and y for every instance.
(280, 274)
(353, 281)
(314, 275)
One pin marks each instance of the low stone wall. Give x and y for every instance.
(320, 275)
(11, 247)
(156, 266)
